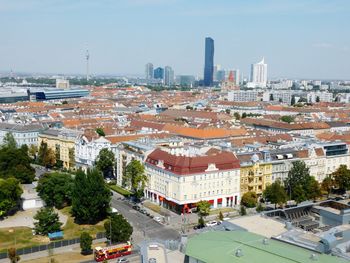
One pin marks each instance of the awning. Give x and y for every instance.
(219, 200)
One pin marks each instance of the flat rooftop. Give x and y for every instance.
(257, 224)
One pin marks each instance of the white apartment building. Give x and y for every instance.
(23, 134)
(86, 151)
(242, 95)
(313, 97)
(278, 96)
(179, 182)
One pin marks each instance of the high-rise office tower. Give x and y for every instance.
(168, 76)
(158, 73)
(258, 75)
(149, 71)
(237, 77)
(209, 62)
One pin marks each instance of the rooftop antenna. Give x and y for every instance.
(87, 57)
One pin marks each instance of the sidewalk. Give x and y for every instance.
(56, 251)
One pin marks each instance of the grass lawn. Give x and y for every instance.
(119, 190)
(68, 257)
(223, 210)
(25, 238)
(21, 236)
(73, 230)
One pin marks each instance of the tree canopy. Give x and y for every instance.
(85, 243)
(47, 221)
(100, 131)
(118, 228)
(203, 207)
(300, 185)
(249, 199)
(56, 189)
(105, 162)
(46, 156)
(287, 118)
(135, 177)
(90, 197)
(341, 178)
(275, 193)
(10, 194)
(9, 141)
(15, 162)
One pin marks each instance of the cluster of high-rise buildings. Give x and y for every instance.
(165, 75)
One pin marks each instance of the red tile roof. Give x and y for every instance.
(183, 165)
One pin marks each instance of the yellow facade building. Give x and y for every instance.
(62, 143)
(255, 173)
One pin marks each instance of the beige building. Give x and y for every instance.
(180, 182)
(62, 143)
(256, 173)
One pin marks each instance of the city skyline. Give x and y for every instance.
(300, 39)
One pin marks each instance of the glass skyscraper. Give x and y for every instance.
(209, 62)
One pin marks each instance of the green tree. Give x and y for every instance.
(90, 197)
(317, 99)
(221, 216)
(287, 119)
(271, 97)
(341, 178)
(203, 207)
(47, 221)
(249, 199)
(201, 221)
(243, 210)
(299, 194)
(85, 243)
(33, 150)
(10, 195)
(100, 132)
(228, 111)
(312, 189)
(299, 176)
(46, 156)
(275, 193)
(292, 100)
(244, 115)
(259, 208)
(56, 189)
(105, 162)
(12, 254)
(327, 185)
(118, 229)
(9, 141)
(135, 177)
(15, 162)
(237, 116)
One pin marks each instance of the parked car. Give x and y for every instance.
(123, 260)
(136, 207)
(152, 260)
(198, 227)
(212, 223)
(158, 219)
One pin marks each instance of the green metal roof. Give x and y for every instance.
(221, 246)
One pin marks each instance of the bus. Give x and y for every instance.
(102, 253)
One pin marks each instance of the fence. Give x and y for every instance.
(52, 245)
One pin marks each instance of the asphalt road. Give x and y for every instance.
(133, 258)
(147, 227)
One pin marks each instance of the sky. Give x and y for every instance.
(298, 38)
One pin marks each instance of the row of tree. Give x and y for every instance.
(14, 169)
(301, 186)
(86, 192)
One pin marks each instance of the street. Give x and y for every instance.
(144, 226)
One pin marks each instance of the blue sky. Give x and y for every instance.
(299, 38)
